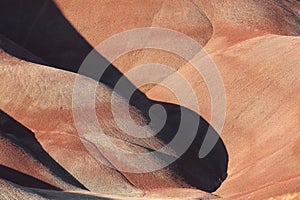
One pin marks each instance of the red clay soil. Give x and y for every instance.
(262, 116)
(100, 21)
(49, 92)
(256, 47)
(215, 24)
(10, 190)
(259, 70)
(14, 157)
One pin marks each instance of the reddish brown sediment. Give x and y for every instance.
(256, 48)
(49, 92)
(262, 116)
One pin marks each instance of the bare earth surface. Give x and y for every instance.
(256, 48)
(50, 96)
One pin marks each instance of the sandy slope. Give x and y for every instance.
(214, 24)
(55, 130)
(256, 48)
(262, 123)
(236, 21)
(100, 21)
(14, 157)
(12, 191)
(48, 92)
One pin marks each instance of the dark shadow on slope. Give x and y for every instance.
(64, 195)
(24, 179)
(206, 173)
(38, 26)
(25, 139)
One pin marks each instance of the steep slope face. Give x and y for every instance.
(97, 21)
(236, 21)
(46, 111)
(42, 101)
(262, 123)
(219, 24)
(274, 17)
(24, 161)
(260, 76)
(198, 19)
(10, 191)
(14, 157)
(260, 81)
(44, 29)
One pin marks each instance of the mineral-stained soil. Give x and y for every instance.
(255, 46)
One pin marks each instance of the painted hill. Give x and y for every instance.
(255, 46)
